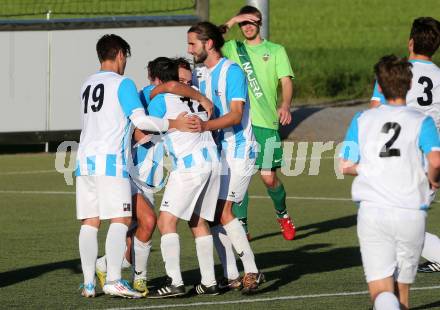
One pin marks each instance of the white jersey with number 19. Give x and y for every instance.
(108, 100)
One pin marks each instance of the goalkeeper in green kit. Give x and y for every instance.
(266, 66)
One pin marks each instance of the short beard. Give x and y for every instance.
(254, 36)
(201, 58)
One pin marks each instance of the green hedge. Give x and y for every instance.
(333, 44)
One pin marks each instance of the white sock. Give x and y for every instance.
(101, 263)
(386, 301)
(431, 248)
(88, 251)
(170, 248)
(125, 263)
(141, 254)
(241, 245)
(205, 255)
(223, 246)
(115, 250)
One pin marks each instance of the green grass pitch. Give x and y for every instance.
(40, 268)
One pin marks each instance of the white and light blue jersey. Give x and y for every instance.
(147, 166)
(389, 143)
(144, 95)
(108, 99)
(223, 83)
(186, 149)
(424, 94)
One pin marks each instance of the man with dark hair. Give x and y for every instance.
(267, 66)
(110, 104)
(224, 83)
(147, 175)
(185, 72)
(424, 96)
(191, 191)
(384, 149)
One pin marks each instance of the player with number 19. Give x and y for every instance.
(384, 148)
(110, 103)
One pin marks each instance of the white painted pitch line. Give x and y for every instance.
(254, 300)
(160, 194)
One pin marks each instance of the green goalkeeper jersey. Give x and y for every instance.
(270, 63)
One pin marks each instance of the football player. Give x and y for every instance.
(384, 148)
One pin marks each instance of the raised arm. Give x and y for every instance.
(133, 109)
(239, 19)
(183, 90)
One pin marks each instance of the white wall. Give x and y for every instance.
(25, 99)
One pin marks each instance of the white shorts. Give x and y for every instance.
(105, 197)
(236, 175)
(391, 241)
(192, 190)
(144, 191)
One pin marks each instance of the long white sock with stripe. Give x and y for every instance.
(88, 251)
(141, 254)
(101, 263)
(170, 248)
(115, 250)
(223, 246)
(241, 245)
(205, 255)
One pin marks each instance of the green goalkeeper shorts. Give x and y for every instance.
(270, 155)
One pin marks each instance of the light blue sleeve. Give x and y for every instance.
(350, 147)
(429, 139)
(147, 92)
(143, 100)
(157, 106)
(236, 84)
(128, 97)
(377, 95)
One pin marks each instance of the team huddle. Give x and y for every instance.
(201, 121)
(217, 124)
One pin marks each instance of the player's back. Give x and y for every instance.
(185, 148)
(391, 172)
(105, 127)
(424, 94)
